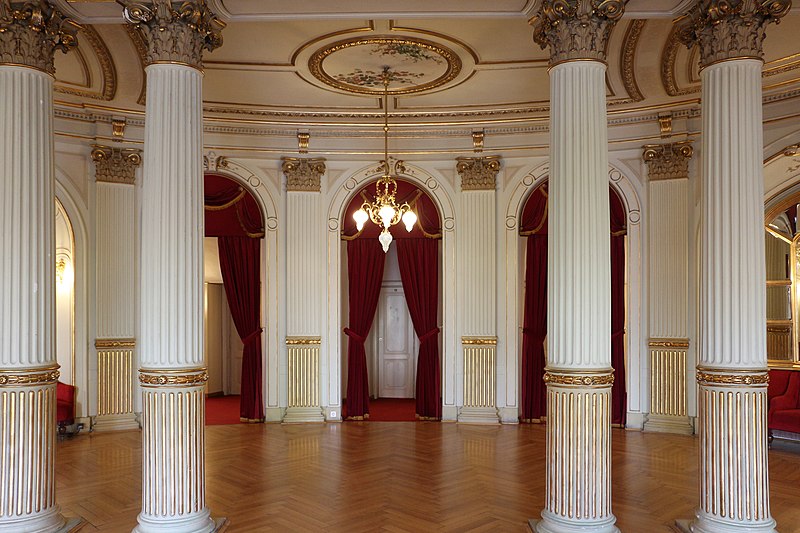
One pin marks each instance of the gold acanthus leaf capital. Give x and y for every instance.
(176, 32)
(729, 29)
(303, 174)
(116, 165)
(31, 32)
(576, 29)
(478, 173)
(668, 161)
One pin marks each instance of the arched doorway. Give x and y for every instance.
(234, 230)
(65, 295)
(403, 358)
(534, 227)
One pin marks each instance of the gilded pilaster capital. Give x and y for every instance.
(576, 29)
(176, 32)
(478, 173)
(31, 32)
(729, 29)
(303, 174)
(116, 165)
(668, 161)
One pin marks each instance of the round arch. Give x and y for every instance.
(342, 193)
(626, 189)
(259, 189)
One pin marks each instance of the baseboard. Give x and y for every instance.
(274, 414)
(509, 415)
(126, 422)
(449, 413)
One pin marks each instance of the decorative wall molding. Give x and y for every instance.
(668, 161)
(183, 378)
(31, 32)
(668, 387)
(109, 71)
(176, 36)
(478, 173)
(729, 30)
(710, 377)
(579, 379)
(576, 29)
(303, 402)
(104, 344)
(628, 59)
(25, 377)
(303, 174)
(480, 381)
(294, 341)
(116, 165)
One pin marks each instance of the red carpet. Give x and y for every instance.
(222, 410)
(390, 410)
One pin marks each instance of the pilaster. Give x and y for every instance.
(578, 372)
(305, 290)
(478, 266)
(30, 33)
(732, 367)
(172, 372)
(115, 245)
(668, 347)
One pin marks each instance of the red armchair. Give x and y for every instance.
(65, 406)
(784, 409)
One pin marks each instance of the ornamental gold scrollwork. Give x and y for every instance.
(150, 377)
(576, 29)
(294, 341)
(759, 378)
(668, 344)
(31, 32)
(485, 341)
(668, 161)
(176, 35)
(579, 380)
(303, 174)
(478, 173)
(729, 29)
(104, 344)
(116, 165)
(39, 376)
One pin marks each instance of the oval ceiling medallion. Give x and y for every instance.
(357, 65)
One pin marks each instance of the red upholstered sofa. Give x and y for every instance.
(784, 401)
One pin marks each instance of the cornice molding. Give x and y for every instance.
(31, 32)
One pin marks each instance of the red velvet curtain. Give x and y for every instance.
(419, 272)
(239, 261)
(365, 260)
(533, 401)
(618, 230)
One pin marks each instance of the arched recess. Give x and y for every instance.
(331, 368)
(636, 375)
(65, 295)
(260, 191)
(86, 390)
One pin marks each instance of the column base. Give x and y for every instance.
(52, 522)
(702, 525)
(201, 523)
(274, 414)
(540, 525)
(509, 415)
(449, 413)
(73, 525)
(681, 425)
(124, 422)
(478, 415)
(299, 415)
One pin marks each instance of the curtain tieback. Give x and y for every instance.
(253, 336)
(355, 336)
(537, 339)
(429, 335)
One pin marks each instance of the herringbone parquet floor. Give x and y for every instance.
(396, 477)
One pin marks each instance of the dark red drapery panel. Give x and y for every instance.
(230, 210)
(619, 400)
(239, 261)
(419, 272)
(533, 400)
(365, 260)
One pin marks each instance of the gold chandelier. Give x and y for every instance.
(384, 210)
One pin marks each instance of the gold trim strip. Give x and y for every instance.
(114, 343)
(303, 340)
(479, 340)
(29, 376)
(580, 379)
(668, 343)
(732, 378)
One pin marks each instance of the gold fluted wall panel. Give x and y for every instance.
(27, 434)
(173, 437)
(668, 381)
(480, 380)
(303, 374)
(115, 370)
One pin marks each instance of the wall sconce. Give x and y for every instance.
(64, 274)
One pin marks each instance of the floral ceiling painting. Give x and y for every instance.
(357, 65)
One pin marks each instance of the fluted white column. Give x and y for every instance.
(28, 368)
(578, 372)
(173, 373)
(305, 293)
(732, 367)
(478, 308)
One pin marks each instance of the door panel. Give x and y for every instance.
(396, 346)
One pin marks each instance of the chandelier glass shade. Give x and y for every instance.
(384, 209)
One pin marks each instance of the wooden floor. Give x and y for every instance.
(396, 476)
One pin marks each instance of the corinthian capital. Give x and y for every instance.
(729, 29)
(176, 32)
(303, 174)
(31, 32)
(576, 29)
(478, 173)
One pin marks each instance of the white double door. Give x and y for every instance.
(396, 347)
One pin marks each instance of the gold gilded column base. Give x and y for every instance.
(599, 378)
(29, 376)
(723, 377)
(183, 377)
